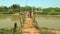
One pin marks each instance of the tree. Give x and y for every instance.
(4, 8)
(14, 8)
(28, 8)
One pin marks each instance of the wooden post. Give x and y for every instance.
(15, 26)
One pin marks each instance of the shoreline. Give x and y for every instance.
(35, 15)
(47, 15)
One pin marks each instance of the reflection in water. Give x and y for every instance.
(3, 16)
(7, 21)
(15, 18)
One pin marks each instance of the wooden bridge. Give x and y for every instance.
(29, 26)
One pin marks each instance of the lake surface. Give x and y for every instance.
(7, 21)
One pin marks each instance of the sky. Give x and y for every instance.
(36, 3)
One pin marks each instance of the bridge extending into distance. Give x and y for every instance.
(29, 25)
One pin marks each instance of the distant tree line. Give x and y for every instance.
(50, 11)
(15, 8)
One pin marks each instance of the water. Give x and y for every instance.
(52, 22)
(7, 21)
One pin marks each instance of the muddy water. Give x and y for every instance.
(52, 22)
(7, 21)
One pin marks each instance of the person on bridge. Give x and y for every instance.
(30, 13)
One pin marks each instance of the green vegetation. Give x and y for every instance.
(5, 31)
(51, 11)
(8, 31)
(43, 33)
(15, 8)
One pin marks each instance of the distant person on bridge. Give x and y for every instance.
(30, 13)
